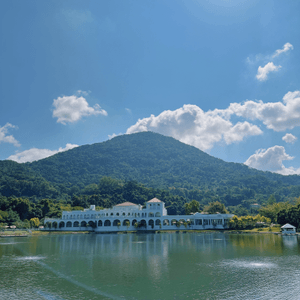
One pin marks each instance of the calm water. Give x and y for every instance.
(150, 266)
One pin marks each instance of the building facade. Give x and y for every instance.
(132, 217)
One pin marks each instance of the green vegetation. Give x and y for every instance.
(154, 161)
(248, 222)
(137, 168)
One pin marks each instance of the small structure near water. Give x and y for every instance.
(288, 229)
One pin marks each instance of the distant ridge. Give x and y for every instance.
(152, 159)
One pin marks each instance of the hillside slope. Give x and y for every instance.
(20, 180)
(156, 161)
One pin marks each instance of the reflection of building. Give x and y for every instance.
(288, 229)
(130, 217)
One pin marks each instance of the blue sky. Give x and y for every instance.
(223, 76)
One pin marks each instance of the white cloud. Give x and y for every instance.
(262, 72)
(4, 138)
(128, 110)
(286, 48)
(84, 93)
(239, 131)
(191, 125)
(34, 154)
(72, 108)
(289, 138)
(271, 160)
(278, 116)
(111, 136)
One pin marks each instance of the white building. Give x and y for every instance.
(288, 229)
(128, 216)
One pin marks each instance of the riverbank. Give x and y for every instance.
(25, 233)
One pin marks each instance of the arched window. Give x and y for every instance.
(117, 223)
(151, 223)
(126, 223)
(166, 222)
(143, 223)
(151, 214)
(61, 224)
(117, 214)
(83, 224)
(54, 225)
(76, 224)
(157, 214)
(123, 214)
(134, 222)
(99, 223)
(157, 222)
(69, 224)
(111, 214)
(107, 223)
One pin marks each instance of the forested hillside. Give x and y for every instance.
(20, 180)
(146, 159)
(162, 162)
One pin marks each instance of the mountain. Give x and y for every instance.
(151, 159)
(20, 180)
(156, 161)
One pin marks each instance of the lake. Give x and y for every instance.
(150, 266)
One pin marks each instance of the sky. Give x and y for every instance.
(223, 76)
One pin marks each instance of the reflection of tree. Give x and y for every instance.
(261, 242)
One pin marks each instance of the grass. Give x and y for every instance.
(17, 232)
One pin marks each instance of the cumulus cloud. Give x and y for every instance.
(34, 154)
(278, 116)
(271, 160)
(289, 138)
(69, 109)
(286, 48)
(111, 136)
(191, 125)
(262, 72)
(5, 138)
(268, 159)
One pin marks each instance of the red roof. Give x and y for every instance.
(154, 200)
(126, 204)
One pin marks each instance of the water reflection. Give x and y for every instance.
(290, 241)
(151, 266)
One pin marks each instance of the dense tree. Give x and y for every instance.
(192, 207)
(35, 222)
(271, 211)
(215, 207)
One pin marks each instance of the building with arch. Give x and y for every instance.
(128, 216)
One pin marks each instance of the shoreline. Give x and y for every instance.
(25, 233)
